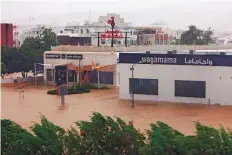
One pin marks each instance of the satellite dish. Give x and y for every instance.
(227, 41)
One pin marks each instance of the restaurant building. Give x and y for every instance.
(187, 78)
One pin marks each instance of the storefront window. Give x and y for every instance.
(143, 86)
(190, 88)
(49, 75)
(72, 76)
(103, 41)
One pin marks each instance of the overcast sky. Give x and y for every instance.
(175, 13)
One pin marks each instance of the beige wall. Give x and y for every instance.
(141, 48)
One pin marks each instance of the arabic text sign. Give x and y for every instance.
(74, 56)
(108, 34)
(176, 59)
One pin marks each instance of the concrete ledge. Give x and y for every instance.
(140, 48)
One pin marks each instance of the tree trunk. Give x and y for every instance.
(24, 74)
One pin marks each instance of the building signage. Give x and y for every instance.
(52, 56)
(64, 56)
(176, 59)
(74, 56)
(108, 34)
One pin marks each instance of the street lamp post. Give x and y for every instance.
(112, 27)
(131, 84)
(79, 72)
(132, 89)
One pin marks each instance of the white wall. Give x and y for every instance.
(219, 90)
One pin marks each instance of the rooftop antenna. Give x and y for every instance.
(89, 15)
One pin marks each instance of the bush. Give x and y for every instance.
(52, 92)
(108, 136)
(72, 90)
(91, 86)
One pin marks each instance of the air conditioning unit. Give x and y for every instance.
(222, 53)
(191, 51)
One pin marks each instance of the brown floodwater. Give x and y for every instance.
(80, 107)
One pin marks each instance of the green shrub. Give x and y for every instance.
(107, 136)
(72, 90)
(52, 92)
(92, 86)
(18, 141)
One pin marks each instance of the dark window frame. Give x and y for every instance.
(190, 88)
(144, 86)
(72, 76)
(49, 74)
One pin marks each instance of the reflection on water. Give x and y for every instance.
(63, 107)
(81, 106)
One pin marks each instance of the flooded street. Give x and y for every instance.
(80, 107)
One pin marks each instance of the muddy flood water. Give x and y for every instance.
(80, 107)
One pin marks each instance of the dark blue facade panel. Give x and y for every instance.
(105, 77)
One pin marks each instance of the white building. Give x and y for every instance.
(91, 30)
(25, 31)
(108, 73)
(187, 78)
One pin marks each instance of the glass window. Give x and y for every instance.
(72, 76)
(143, 86)
(49, 75)
(103, 41)
(190, 88)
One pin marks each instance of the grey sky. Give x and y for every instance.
(175, 13)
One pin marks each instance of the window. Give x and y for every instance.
(49, 75)
(143, 86)
(87, 31)
(103, 41)
(190, 88)
(81, 31)
(115, 41)
(131, 32)
(72, 76)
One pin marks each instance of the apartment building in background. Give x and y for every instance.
(151, 35)
(7, 34)
(87, 34)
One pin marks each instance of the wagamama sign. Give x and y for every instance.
(158, 60)
(164, 60)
